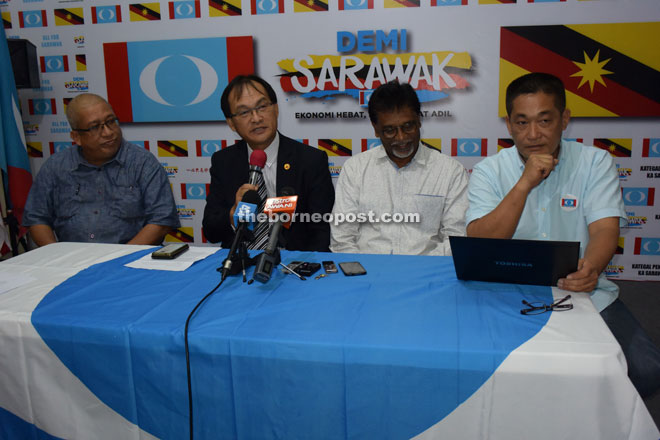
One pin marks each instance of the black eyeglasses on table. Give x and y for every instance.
(536, 308)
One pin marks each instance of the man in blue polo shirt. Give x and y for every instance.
(547, 188)
(101, 190)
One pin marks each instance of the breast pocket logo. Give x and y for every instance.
(175, 80)
(569, 202)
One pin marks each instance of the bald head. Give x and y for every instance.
(77, 106)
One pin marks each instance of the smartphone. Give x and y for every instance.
(170, 251)
(352, 268)
(329, 267)
(308, 269)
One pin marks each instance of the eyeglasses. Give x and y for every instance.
(96, 129)
(407, 128)
(260, 109)
(536, 308)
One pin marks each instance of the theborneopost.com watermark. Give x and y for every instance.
(335, 218)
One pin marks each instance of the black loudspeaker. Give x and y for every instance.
(24, 62)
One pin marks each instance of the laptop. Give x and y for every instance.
(514, 261)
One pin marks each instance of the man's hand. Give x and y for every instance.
(537, 168)
(240, 192)
(584, 280)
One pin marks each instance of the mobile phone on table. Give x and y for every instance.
(329, 267)
(170, 251)
(307, 269)
(352, 268)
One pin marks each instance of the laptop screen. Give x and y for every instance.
(537, 262)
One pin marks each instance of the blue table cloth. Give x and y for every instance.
(385, 355)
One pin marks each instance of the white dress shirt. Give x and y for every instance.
(432, 184)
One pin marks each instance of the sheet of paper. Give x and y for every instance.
(180, 263)
(12, 280)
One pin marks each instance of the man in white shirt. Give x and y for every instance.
(398, 178)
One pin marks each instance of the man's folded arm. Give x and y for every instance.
(150, 234)
(42, 235)
(501, 215)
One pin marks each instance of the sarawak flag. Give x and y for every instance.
(401, 3)
(181, 235)
(496, 2)
(173, 80)
(336, 147)
(81, 63)
(69, 17)
(504, 143)
(220, 8)
(172, 148)
(610, 69)
(35, 149)
(310, 5)
(433, 143)
(14, 162)
(616, 147)
(144, 11)
(6, 19)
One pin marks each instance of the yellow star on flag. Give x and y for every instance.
(591, 70)
(144, 12)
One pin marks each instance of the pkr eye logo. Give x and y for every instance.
(469, 147)
(647, 246)
(638, 196)
(175, 80)
(56, 147)
(41, 106)
(209, 80)
(267, 7)
(195, 191)
(184, 9)
(368, 144)
(30, 19)
(57, 63)
(206, 148)
(651, 147)
(107, 14)
(355, 4)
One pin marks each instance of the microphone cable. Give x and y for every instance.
(185, 337)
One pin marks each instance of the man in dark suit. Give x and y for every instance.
(250, 106)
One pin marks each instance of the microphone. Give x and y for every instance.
(257, 163)
(244, 217)
(283, 206)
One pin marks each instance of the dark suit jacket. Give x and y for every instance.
(299, 166)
